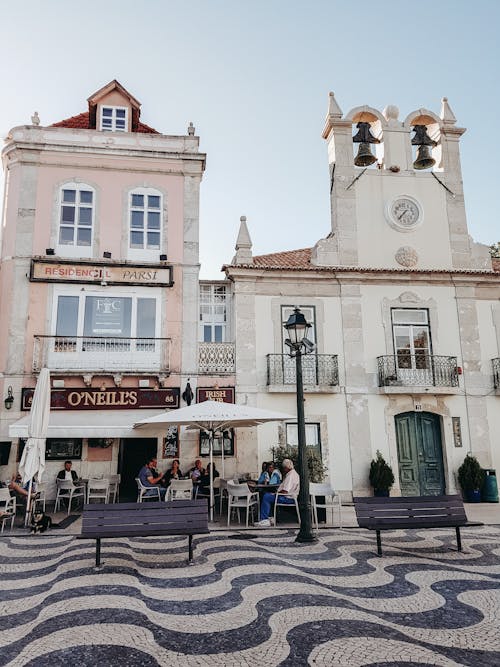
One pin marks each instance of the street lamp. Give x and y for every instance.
(297, 328)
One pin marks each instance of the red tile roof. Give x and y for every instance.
(290, 259)
(82, 121)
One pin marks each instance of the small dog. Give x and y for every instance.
(40, 522)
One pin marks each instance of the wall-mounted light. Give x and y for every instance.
(106, 254)
(163, 258)
(9, 400)
(50, 251)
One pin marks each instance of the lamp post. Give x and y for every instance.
(299, 345)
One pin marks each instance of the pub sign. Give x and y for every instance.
(114, 398)
(222, 394)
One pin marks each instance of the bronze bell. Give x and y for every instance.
(424, 159)
(365, 157)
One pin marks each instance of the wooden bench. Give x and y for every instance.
(411, 512)
(179, 517)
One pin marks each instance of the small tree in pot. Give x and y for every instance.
(381, 476)
(471, 479)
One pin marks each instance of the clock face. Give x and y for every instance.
(404, 213)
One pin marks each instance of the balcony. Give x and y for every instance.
(407, 373)
(216, 358)
(496, 374)
(320, 373)
(95, 353)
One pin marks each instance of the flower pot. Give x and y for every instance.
(473, 495)
(381, 493)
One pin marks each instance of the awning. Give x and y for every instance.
(90, 424)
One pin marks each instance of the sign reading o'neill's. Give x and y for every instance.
(106, 399)
(67, 271)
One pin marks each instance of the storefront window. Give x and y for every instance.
(227, 437)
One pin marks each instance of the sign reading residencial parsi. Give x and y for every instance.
(67, 271)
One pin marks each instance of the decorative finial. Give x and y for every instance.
(191, 129)
(447, 115)
(35, 119)
(391, 113)
(243, 244)
(333, 107)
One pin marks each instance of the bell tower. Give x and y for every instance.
(396, 191)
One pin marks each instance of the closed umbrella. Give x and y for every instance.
(33, 458)
(212, 416)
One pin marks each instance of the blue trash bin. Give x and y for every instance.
(490, 488)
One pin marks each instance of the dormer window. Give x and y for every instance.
(114, 119)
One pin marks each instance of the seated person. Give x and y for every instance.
(67, 473)
(16, 486)
(149, 476)
(288, 488)
(196, 471)
(173, 473)
(264, 476)
(205, 479)
(273, 474)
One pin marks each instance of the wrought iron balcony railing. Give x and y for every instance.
(317, 369)
(216, 358)
(97, 353)
(496, 372)
(422, 370)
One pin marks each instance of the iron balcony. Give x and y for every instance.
(216, 358)
(417, 370)
(317, 370)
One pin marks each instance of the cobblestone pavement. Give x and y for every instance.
(253, 598)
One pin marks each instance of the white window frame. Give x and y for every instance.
(113, 117)
(409, 323)
(209, 318)
(74, 249)
(310, 427)
(145, 253)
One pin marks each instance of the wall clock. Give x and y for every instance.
(404, 213)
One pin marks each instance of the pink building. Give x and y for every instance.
(99, 282)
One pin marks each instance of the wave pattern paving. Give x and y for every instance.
(253, 598)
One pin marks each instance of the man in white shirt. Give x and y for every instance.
(287, 490)
(67, 473)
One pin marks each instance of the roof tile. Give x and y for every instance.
(290, 259)
(81, 122)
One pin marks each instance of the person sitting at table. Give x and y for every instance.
(273, 473)
(149, 476)
(17, 487)
(67, 473)
(288, 488)
(264, 476)
(173, 473)
(197, 471)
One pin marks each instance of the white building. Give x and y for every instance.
(405, 309)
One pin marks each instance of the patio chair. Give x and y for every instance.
(278, 503)
(240, 497)
(180, 489)
(204, 492)
(147, 492)
(98, 489)
(114, 487)
(331, 499)
(40, 497)
(66, 490)
(7, 508)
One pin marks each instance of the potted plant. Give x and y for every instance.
(381, 476)
(471, 479)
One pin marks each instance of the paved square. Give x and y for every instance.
(253, 598)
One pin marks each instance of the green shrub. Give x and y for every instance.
(381, 475)
(470, 474)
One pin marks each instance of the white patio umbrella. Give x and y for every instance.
(33, 458)
(212, 416)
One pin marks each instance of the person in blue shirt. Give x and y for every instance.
(264, 477)
(273, 473)
(149, 477)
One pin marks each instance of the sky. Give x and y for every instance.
(254, 79)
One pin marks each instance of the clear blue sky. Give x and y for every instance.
(254, 78)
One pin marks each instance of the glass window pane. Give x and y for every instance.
(68, 214)
(153, 240)
(137, 239)
(120, 124)
(421, 338)
(66, 235)
(138, 200)
(146, 318)
(153, 220)
(120, 113)
(137, 219)
(153, 201)
(106, 111)
(69, 195)
(84, 236)
(409, 316)
(86, 197)
(85, 216)
(218, 334)
(207, 334)
(67, 316)
(107, 316)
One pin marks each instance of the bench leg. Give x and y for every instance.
(379, 543)
(98, 552)
(459, 541)
(190, 548)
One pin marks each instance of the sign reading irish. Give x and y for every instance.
(222, 394)
(116, 398)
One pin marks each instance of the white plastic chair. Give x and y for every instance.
(40, 497)
(98, 489)
(278, 503)
(7, 505)
(67, 490)
(114, 486)
(142, 491)
(180, 489)
(332, 499)
(239, 497)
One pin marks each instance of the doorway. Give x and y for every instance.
(134, 453)
(420, 454)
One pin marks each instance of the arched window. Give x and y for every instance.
(145, 219)
(76, 215)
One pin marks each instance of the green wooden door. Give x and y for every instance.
(420, 455)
